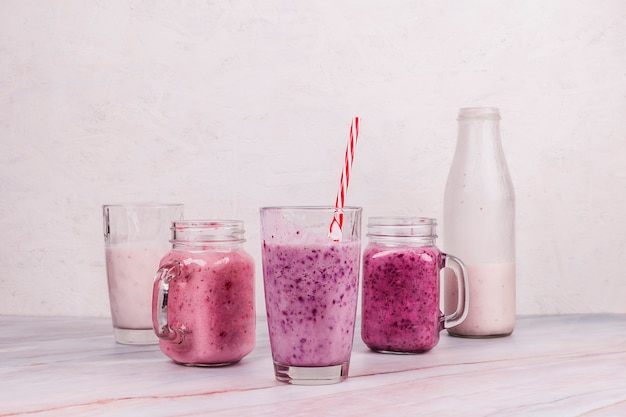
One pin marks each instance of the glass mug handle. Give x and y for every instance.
(462, 305)
(162, 280)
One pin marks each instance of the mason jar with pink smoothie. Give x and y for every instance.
(311, 285)
(203, 296)
(401, 310)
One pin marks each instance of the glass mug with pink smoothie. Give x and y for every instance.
(311, 286)
(136, 236)
(203, 297)
(401, 310)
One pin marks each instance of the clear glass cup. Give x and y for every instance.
(311, 286)
(203, 300)
(136, 236)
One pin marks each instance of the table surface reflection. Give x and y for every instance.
(561, 365)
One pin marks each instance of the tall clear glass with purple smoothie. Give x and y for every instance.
(401, 310)
(203, 295)
(311, 287)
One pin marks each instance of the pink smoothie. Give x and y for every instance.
(492, 301)
(311, 297)
(130, 273)
(213, 302)
(400, 306)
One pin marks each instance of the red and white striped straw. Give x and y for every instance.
(335, 230)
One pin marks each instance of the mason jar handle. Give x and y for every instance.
(462, 305)
(160, 322)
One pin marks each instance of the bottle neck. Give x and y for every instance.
(479, 148)
(479, 131)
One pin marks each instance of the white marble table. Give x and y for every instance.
(571, 365)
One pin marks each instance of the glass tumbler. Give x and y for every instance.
(136, 236)
(311, 286)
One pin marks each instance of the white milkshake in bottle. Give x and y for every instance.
(479, 226)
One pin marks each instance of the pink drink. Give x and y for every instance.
(135, 240)
(492, 301)
(212, 302)
(311, 297)
(400, 311)
(130, 272)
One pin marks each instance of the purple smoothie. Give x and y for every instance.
(311, 297)
(400, 310)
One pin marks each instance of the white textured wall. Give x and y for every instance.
(227, 106)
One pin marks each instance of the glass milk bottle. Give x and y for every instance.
(479, 225)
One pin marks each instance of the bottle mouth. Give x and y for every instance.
(487, 113)
(402, 227)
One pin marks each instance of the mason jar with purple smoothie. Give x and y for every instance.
(311, 283)
(401, 310)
